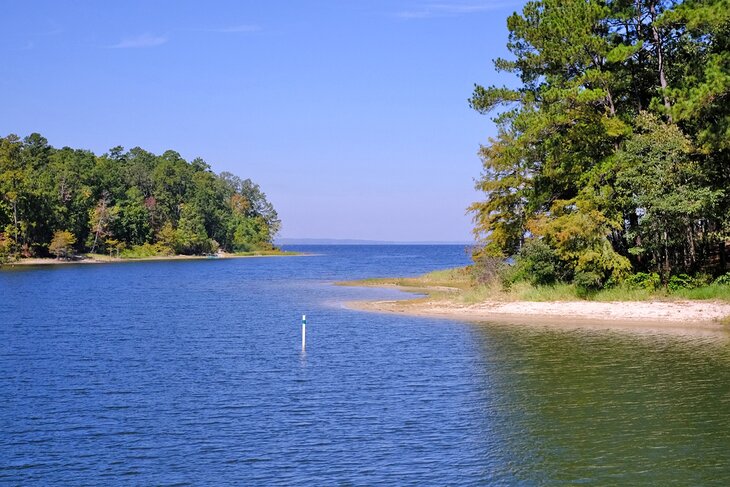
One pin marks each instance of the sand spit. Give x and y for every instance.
(682, 316)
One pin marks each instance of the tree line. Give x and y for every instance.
(612, 155)
(64, 201)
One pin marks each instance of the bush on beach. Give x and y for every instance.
(538, 273)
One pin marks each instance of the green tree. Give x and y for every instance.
(62, 244)
(191, 237)
(132, 224)
(6, 248)
(13, 178)
(612, 148)
(100, 221)
(167, 239)
(251, 234)
(122, 200)
(657, 175)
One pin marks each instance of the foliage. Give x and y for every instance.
(723, 280)
(537, 263)
(101, 217)
(459, 284)
(487, 269)
(6, 248)
(62, 244)
(144, 250)
(644, 280)
(683, 281)
(656, 176)
(587, 283)
(190, 236)
(129, 202)
(612, 149)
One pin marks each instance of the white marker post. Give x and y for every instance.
(304, 332)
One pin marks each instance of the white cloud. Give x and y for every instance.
(429, 10)
(144, 40)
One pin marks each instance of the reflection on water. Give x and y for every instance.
(193, 373)
(585, 405)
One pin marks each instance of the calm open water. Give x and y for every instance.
(185, 373)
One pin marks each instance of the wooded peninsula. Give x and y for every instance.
(609, 177)
(132, 204)
(612, 160)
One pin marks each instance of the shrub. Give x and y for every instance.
(487, 269)
(681, 281)
(6, 248)
(723, 280)
(537, 263)
(144, 250)
(62, 244)
(702, 280)
(587, 283)
(642, 280)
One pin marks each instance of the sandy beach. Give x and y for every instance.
(685, 312)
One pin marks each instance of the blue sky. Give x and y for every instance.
(351, 115)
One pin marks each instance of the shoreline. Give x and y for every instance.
(49, 261)
(676, 316)
(680, 312)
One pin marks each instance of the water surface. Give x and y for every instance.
(192, 373)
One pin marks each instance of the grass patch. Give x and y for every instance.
(454, 279)
(624, 293)
(479, 293)
(558, 292)
(713, 291)
(457, 284)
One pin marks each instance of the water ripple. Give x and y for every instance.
(188, 373)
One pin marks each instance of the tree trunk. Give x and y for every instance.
(634, 225)
(611, 106)
(660, 59)
(692, 251)
(15, 222)
(96, 239)
(667, 266)
(635, 84)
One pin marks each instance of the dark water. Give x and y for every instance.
(165, 373)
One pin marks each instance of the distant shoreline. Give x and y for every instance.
(675, 316)
(344, 241)
(100, 259)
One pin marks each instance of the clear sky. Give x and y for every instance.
(351, 115)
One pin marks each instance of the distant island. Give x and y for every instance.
(70, 204)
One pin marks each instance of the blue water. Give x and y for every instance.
(191, 372)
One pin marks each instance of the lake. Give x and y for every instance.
(191, 372)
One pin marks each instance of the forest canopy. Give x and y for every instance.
(66, 200)
(612, 155)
